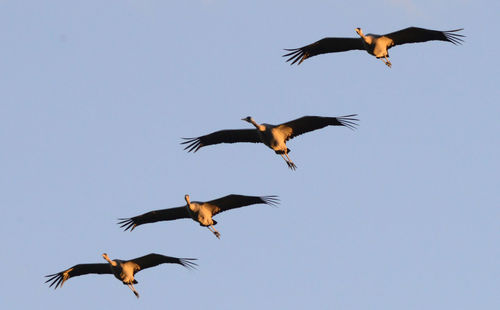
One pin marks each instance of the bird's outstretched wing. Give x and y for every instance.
(222, 136)
(237, 201)
(59, 278)
(154, 216)
(323, 46)
(153, 259)
(310, 123)
(416, 35)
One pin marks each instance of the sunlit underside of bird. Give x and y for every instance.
(273, 136)
(374, 44)
(123, 270)
(199, 211)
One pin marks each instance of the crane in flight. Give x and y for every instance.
(201, 212)
(123, 270)
(375, 44)
(274, 136)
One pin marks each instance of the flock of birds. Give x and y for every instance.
(273, 136)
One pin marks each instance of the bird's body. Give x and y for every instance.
(123, 270)
(374, 44)
(273, 136)
(201, 212)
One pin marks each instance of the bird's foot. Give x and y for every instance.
(388, 63)
(217, 234)
(131, 286)
(291, 165)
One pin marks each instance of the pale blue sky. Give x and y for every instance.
(402, 213)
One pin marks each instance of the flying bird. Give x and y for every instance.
(274, 136)
(123, 270)
(201, 212)
(374, 44)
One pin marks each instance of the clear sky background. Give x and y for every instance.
(402, 213)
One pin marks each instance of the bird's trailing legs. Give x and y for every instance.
(131, 286)
(212, 229)
(288, 161)
(386, 61)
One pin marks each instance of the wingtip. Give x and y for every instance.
(192, 144)
(453, 37)
(272, 200)
(188, 263)
(349, 121)
(55, 280)
(295, 55)
(126, 224)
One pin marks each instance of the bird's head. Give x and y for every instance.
(248, 119)
(359, 31)
(186, 197)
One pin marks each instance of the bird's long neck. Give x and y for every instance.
(259, 127)
(112, 262)
(189, 207)
(367, 40)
